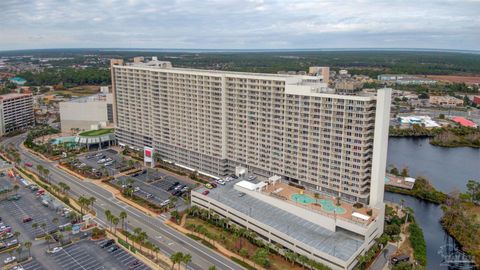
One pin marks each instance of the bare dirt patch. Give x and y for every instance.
(456, 79)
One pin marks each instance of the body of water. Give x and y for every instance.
(442, 249)
(448, 169)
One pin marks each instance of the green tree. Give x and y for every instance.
(261, 257)
(123, 216)
(176, 258)
(28, 245)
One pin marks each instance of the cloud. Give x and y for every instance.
(237, 24)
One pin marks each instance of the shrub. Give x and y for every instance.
(418, 243)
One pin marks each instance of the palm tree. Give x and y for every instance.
(302, 259)
(156, 250)
(213, 267)
(19, 252)
(186, 258)
(48, 237)
(28, 245)
(60, 237)
(108, 215)
(43, 226)
(176, 258)
(17, 234)
(123, 216)
(115, 221)
(290, 256)
(91, 201)
(34, 226)
(55, 221)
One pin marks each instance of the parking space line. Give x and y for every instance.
(74, 259)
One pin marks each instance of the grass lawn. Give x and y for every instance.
(226, 239)
(92, 133)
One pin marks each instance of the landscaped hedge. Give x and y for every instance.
(418, 244)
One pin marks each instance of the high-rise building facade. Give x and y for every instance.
(16, 112)
(287, 125)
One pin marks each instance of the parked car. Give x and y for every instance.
(45, 203)
(133, 264)
(54, 250)
(172, 186)
(40, 192)
(252, 177)
(27, 219)
(136, 189)
(6, 236)
(107, 243)
(14, 197)
(208, 185)
(165, 202)
(113, 248)
(100, 161)
(109, 163)
(149, 196)
(13, 242)
(205, 192)
(28, 164)
(221, 182)
(9, 260)
(400, 258)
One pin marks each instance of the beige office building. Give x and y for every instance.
(16, 112)
(287, 125)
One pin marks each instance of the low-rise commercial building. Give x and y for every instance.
(404, 79)
(425, 121)
(16, 112)
(87, 113)
(445, 101)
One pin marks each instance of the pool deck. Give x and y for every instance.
(284, 191)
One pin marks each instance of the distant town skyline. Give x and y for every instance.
(254, 24)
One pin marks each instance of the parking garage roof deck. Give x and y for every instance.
(340, 244)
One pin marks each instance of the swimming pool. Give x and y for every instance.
(63, 140)
(327, 205)
(302, 198)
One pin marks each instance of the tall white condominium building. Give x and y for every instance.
(16, 112)
(283, 129)
(214, 121)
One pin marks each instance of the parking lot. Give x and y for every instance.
(156, 186)
(88, 254)
(31, 265)
(83, 254)
(105, 160)
(30, 206)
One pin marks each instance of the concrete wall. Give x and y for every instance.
(380, 146)
(82, 114)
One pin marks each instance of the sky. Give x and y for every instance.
(236, 24)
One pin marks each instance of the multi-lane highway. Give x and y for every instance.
(166, 238)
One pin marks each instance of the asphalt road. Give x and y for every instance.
(166, 238)
(383, 258)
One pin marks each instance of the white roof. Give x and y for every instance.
(410, 179)
(360, 216)
(249, 185)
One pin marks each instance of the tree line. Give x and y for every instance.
(69, 77)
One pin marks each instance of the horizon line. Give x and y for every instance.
(204, 50)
